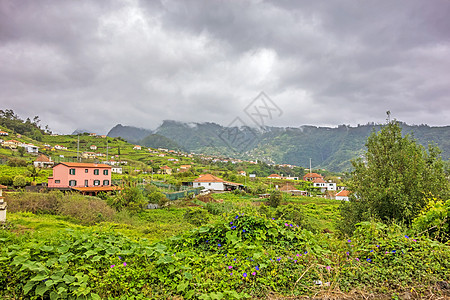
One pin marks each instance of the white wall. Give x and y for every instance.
(216, 186)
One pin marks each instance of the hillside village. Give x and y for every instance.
(120, 159)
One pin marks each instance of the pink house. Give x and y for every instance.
(77, 175)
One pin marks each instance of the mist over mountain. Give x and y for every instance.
(329, 148)
(129, 133)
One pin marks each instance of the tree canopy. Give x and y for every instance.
(394, 179)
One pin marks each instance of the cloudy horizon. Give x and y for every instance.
(94, 64)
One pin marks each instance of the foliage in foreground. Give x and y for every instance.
(242, 256)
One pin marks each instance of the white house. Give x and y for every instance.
(43, 161)
(30, 148)
(343, 195)
(137, 147)
(117, 170)
(214, 183)
(93, 147)
(59, 147)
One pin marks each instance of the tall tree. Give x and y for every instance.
(394, 179)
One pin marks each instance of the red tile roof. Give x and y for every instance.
(208, 178)
(3, 187)
(97, 188)
(312, 175)
(42, 158)
(318, 180)
(274, 176)
(83, 165)
(343, 193)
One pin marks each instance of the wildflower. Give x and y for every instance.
(298, 254)
(414, 240)
(285, 224)
(233, 227)
(219, 245)
(393, 251)
(120, 257)
(406, 236)
(386, 252)
(254, 273)
(369, 260)
(124, 264)
(257, 268)
(112, 266)
(278, 259)
(378, 246)
(290, 225)
(273, 218)
(371, 250)
(234, 259)
(231, 273)
(349, 241)
(236, 217)
(244, 275)
(357, 259)
(348, 253)
(295, 261)
(230, 267)
(243, 230)
(231, 223)
(328, 268)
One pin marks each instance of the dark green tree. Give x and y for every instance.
(394, 179)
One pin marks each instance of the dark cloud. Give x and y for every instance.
(93, 64)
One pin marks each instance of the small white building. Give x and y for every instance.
(214, 183)
(343, 195)
(30, 148)
(117, 170)
(93, 147)
(43, 161)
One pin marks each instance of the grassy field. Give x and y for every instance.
(243, 251)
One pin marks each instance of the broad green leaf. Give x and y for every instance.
(182, 286)
(39, 277)
(41, 289)
(188, 275)
(54, 295)
(28, 286)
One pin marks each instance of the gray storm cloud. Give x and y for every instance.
(93, 64)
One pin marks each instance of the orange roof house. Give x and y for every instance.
(343, 195)
(212, 182)
(274, 176)
(43, 161)
(311, 176)
(76, 175)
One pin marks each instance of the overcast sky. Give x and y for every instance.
(94, 64)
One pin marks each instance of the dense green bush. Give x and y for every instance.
(196, 216)
(16, 162)
(85, 210)
(434, 220)
(294, 213)
(19, 181)
(275, 199)
(6, 180)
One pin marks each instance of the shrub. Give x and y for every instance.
(196, 216)
(295, 214)
(16, 162)
(434, 220)
(87, 210)
(275, 199)
(6, 180)
(19, 181)
(35, 202)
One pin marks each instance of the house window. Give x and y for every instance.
(86, 170)
(72, 182)
(96, 182)
(209, 183)
(105, 172)
(72, 171)
(57, 181)
(105, 182)
(96, 172)
(86, 182)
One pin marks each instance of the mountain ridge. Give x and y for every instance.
(331, 148)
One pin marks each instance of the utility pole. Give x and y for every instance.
(78, 148)
(106, 149)
(310, 170)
